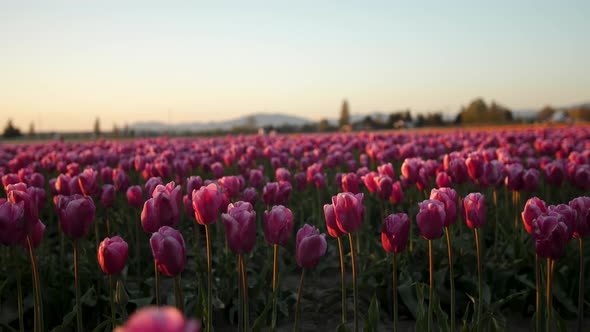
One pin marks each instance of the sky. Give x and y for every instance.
(65, 63)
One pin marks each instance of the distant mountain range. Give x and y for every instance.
(279, 119)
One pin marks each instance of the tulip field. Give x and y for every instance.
(442, 230)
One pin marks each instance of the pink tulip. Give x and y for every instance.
(88, 182)
(533, 208)
(331, 224)
(20, 193)
(278, 225)
(530, 180)
(349, 211)
(569, 214)
(112, 255)
(163, 209)
(474, 210)
(431, 219)
(350, 183)
(554, 173)
(386, 169)
(310, 246)
(397, 195)
(250, 195)
(395, 232)
(12, 223)
(107, 197)
(151, 184)
(76, 214)
(135, 196)
(370, 181)
(448, 197)
(168, 250)
(443, 180)
(582, 207)
(158, 319)
(207, 203)
(231, 186)
(240, 227)
(550, 235)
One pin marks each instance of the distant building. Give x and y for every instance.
(559, 117)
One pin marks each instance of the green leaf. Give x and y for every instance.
(372, 323)
(342, 328)
(261, 320)
(408, 296)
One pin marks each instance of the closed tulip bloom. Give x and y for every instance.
(474, 210)
(151, 184)
(135, 196)
(474, 165)
(386, 169)
(448, 197)
(278, 225)
(121, 180)
(88, 182)
(493, 174)
(533, 208)
(310, 245)
(112, 255)
(331, 224)
(458, 170)
(20, 193)
(168, 251)
(554, 173)
(582, 177)
(300, 181)
(163, 209)
(36, 233)
(530, 180)
(349, 211)
(159, 319)
(76, 215)
(256, 178)
(270, 193)
(410, 168)
(12, 223)
(231, 186)
(569, 214)
(207, 203)
(106, 175)
(384, 187)
(240, 227)
(395, 232)
(107, 197)
(36, 180)
(250, 195)
(423, 180)
(370, 181)
(514, 174)
(74, 186)
(443, 180)
(188, 206)
(431, 219)
(282, 174)
(217, 170)
(550, 235)
(582, 207)
(397, 194)
(193, 183)
(10, 178)
(350, 183)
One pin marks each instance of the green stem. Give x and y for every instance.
(581, 286)
(179, 299)
(451, 276)
(297, 305)
(107, 222)
(38, 308)
(112, 303)
(245, 293)
(548, 295)
(537, 295)
(342, 281)
(137, 250)
(395, 307)
(354, 285)
(157, 283)
(19, 289)
(77, 284)
(431, 288)
(479, 279)
(273, 324)
(209, 280)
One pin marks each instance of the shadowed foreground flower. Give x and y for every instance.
(159, 319)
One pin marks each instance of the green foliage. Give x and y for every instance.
(479, 112)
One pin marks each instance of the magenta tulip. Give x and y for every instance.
(448, 197)
(278, 225)
(158, 319)
(569, 214)
(168, 251)
(397, 194)
(530, 180)
(135, 196)
(349, 211)
(230, 185)
(163, 209)
(443, 180)
(395, 232)
(550, 235)
(12, 223)
(474, 210)
(331, 224)
(88, 182)
(240, 227)
(582, 207)
(76, 214)
(207, 203)
(431, 219)
(350, 183)
(107, 197)
(533, 208)
(310, 246)
(112, 255)
(151, 184)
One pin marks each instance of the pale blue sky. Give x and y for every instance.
(62, 63)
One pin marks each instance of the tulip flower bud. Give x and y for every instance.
(107, 198)
(569, 216)
(240, 227)
(310, 245)
(231, 186)
(350, 183)
(135, 196)
(384, 187)
(193, 183)
(370, 181)
(12, 223)
(121, 180)
(395, 232)
(397, 195)
(474, 210)
(431, 219)
(282, 174)
(582, 207)
(157, 319)
(168, 251)
(151, 184)
(448, 197)
(278, 225)
(112, 255)
(530, 180)
(300, 181)
(250, 195)
(349, 211)
(76, 214)
(331, 224)
(443, 180)
(386, 169)
(514, 174)
(88, 182)
(36, 233)
(20, 193)
(207, 203)
(533, 208)
(550, 235)
(163, 209)
(121, 297)
(554, 173)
